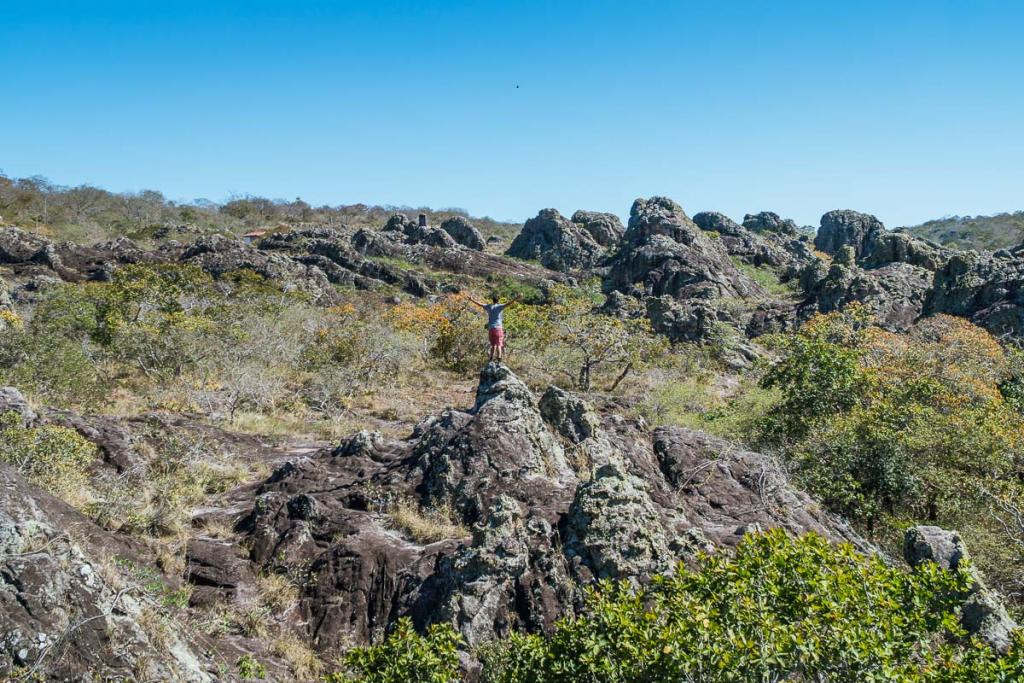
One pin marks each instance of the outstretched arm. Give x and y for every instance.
(474, 301)
(512, 302)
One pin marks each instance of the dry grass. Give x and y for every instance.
(277, 591)
(426, 526)
(302, 661)
(216, 527)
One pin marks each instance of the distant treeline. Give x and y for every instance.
(85, 213)
(975, 232)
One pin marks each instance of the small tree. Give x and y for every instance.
(595, 341)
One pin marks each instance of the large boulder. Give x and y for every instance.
(845, 227)
(895, 293)
(13, 401)
(768, 221)
(613, 529)
(605, 228)
(20, 246)
(558, 244)
(414, 233)
(464, 232)
(663, 252)
(502, 444)
(983, 613)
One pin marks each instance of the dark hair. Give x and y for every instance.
(494, 297)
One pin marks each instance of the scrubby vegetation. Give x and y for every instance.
(999, 231)
(885, 429)
(86, 213)
(781, 608)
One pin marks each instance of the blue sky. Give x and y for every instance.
(908, 110)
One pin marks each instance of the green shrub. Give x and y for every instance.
(53, 457)
(794, 609)
(406, 656)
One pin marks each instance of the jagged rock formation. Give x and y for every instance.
(309, 260)
(768, 221)
(558, 244)
(605, 228)
(556, 494)
(464, 233)
(848, 228)
(60, 609)
(663, 252)
(983, 613)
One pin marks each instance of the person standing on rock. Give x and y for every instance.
(495, 324)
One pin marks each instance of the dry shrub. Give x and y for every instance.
(426, 525)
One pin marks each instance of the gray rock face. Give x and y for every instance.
(983, 613)
(844, 227)
(725, 490)
(663, 252)
(413, 233)
(60, 614)
(768, 221)
(13, 401)
(503, 444)
(902, 247)
(19, 246)
(605, 228)
(464, 232)
(558, 244)
(508, 557)
(569, 415)
(896, 293)
(614, 530)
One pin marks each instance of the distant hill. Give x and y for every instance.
(975, 232)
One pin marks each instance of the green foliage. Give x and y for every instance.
(594, 343)
(782, 609)
(406, 656)
(250, 668)
(894, 429)
(55, 458)
(765, 276)
(819, 374)
(999, 231)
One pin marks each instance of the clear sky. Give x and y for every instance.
(908, 110)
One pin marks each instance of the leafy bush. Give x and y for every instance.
(406, 656)
(783, 608)
(894, 429)
(53, 457)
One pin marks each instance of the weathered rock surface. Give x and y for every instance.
(60, 613)
(464, 232)
(663, 252)
(983, 613)
(558, 243)
(848, 228)
(605, 228)
(13, 401)
(768, 221)
(556, 494)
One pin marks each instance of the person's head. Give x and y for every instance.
(494, 297)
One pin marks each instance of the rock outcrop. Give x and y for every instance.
(663, 252)
(983, 613)
(605, 228)
(557, 243)
(848, 228)
(464, 232)
(64, 614)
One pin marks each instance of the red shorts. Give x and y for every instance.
(497, 336)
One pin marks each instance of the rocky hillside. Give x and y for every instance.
(227, 459)
(999, 231)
